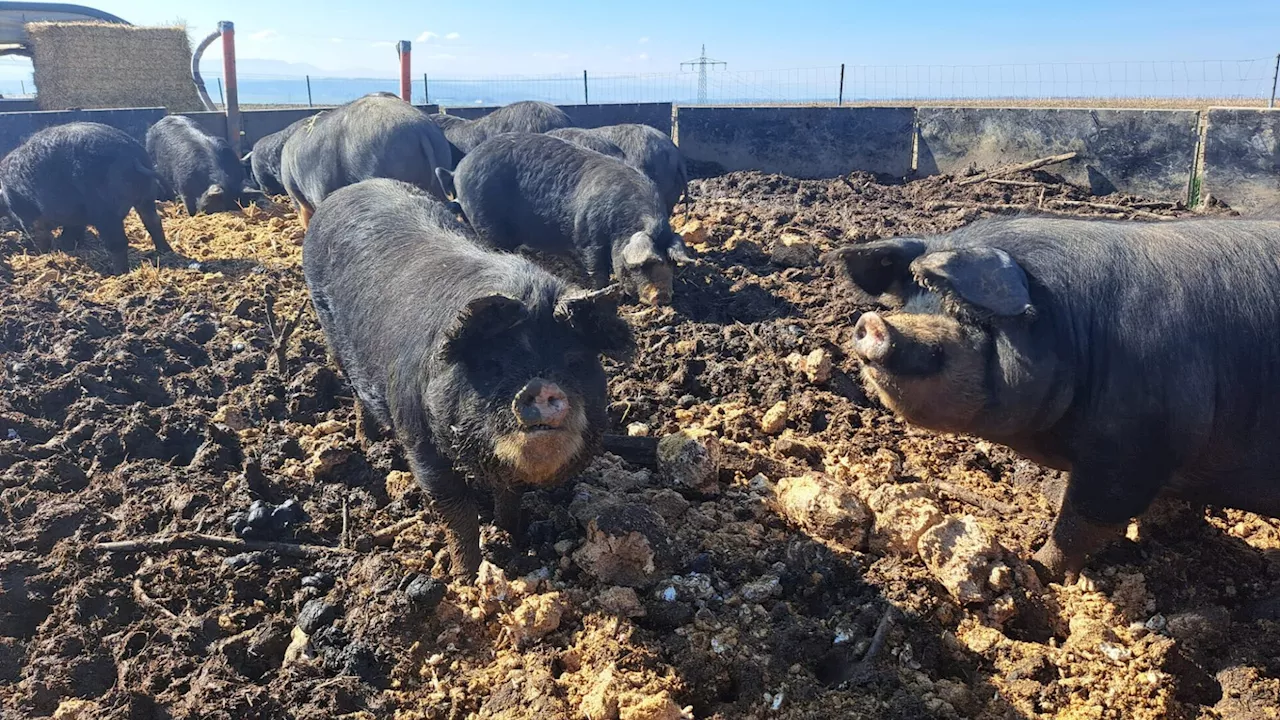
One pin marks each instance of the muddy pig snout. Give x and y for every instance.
(871, 338)
(541, 403)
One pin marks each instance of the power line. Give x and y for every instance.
(702, 62)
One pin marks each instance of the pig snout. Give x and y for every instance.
(541, 403)
(871, 338)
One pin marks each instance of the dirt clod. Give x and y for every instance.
(690, 459)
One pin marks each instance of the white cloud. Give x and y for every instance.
(426, 36)
(452, 36)
(336, 41)
(264, 35)
(382, 43)
(642, 56)
(644, 39)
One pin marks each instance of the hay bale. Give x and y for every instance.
(99, 65)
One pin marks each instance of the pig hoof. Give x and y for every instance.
(1050, 565)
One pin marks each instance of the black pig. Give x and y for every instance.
(590, 140)
(80, 174)
(199, 169)
(1140, 357)
(266, 157)
(484, 365)
(652, 152)
(550, 196)
(527, 116)
(376, 136)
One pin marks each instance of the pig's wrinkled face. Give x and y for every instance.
(524, 389)
(928, 368)
(940, 357)
(647, 266)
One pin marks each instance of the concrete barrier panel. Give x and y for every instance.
(1242, 158)
(1143, 152)
(212, 122)
(470, 112)
(656, 115)
(803, 142)
(18, 126)
(257, 124)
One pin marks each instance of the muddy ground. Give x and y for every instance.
(838, 564)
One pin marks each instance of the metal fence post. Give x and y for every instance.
(1274, 77)
(221, 100)
(403, 49)
(840, 101)
(309, 92)
(586, 97)
(228, 30)
(426, 90)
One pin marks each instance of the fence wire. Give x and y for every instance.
(1245, 82)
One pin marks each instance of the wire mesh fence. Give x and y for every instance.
(1146, 83)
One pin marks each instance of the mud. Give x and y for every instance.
(840, 564)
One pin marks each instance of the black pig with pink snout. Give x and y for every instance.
(486, 367)
(1143, 358)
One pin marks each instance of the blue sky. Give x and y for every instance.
(476, 38)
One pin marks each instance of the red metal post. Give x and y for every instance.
(228, 30)
(404, 50)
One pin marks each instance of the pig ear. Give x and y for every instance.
(482, 319)
(982, 276)
(214, 191)
(595, 316)
(445, 178)
(639, 250)
(878, 268)
(678, 251)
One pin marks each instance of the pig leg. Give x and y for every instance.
(151, 221)
(1099, 502)
(1072, 539)
(189, 202)
(304, 214)
(367, 429)
(506, 510)
(41, 235)
(71, 237)
(455, 504)
(116, 243)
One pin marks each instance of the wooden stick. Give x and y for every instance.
(144, 599)
(976, 499)
(388, 534)
(189, 540)
(1113, 208)
(1019, 183)
(1009, 207)
(1020, 167)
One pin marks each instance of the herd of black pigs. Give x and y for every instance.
(1141, 357)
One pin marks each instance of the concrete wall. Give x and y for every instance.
(16, 127)
(1242, 159)
(656, 115)
(803, 142)
(214, 123)
(470, 112)
(257, 124)
(1144, 152)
